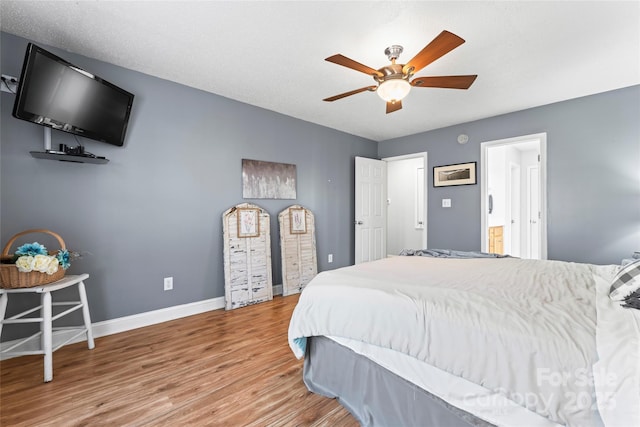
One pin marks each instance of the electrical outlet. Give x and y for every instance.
(168, 283)
(330, 258)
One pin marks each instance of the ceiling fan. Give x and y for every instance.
(394, 81)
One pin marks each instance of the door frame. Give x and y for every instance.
(484, 193)
(424, 157)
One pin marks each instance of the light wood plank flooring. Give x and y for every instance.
(222, 368)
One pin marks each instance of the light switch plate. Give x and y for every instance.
(446, 203)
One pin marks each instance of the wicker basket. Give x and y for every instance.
(11, 277)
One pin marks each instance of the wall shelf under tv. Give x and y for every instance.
(50, 154)
(68, 157)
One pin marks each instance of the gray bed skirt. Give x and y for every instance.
(374, 395)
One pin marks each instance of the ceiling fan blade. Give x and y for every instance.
(393, 106)
(350, 63)
(448, 82)
(353, 92)
(444, 43)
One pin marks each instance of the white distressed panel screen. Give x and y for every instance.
(247, 256)
(298, 248)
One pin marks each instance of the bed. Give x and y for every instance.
(414, 340)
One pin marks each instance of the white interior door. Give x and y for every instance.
(514, 211)
(533, 190)
(420, 219)
(370, 199)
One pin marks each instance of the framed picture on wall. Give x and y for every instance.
(297, 221)
(248, 222)
(268, 180)
(458, 174)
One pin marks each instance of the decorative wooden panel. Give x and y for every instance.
(247, 260)
(299, 261)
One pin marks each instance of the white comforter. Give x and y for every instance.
(525, 328)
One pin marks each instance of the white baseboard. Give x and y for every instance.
(135, 321)
(127, 323)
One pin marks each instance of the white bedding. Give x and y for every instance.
(522, 328)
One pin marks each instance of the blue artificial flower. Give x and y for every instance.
(63, 258)
(32, 249)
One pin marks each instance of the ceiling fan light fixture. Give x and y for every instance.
(392, 90)
(394, 81)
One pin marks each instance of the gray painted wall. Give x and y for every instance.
(155, 209)
(593, 182)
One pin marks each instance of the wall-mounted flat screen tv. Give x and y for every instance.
(54, 93)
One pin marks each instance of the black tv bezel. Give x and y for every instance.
(25, 75)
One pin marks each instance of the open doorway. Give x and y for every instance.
(406, 203)
(513, 190)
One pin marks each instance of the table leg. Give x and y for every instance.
(47, 345)
(85, 314)
(3, 308)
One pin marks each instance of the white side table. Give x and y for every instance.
(46, 320)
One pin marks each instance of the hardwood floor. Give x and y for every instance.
(227, 368)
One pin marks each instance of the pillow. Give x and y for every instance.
(626, 282)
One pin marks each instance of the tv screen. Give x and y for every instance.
(54, 93)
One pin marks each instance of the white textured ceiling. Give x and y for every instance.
(271, 54)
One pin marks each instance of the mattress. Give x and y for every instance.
(523, 331)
